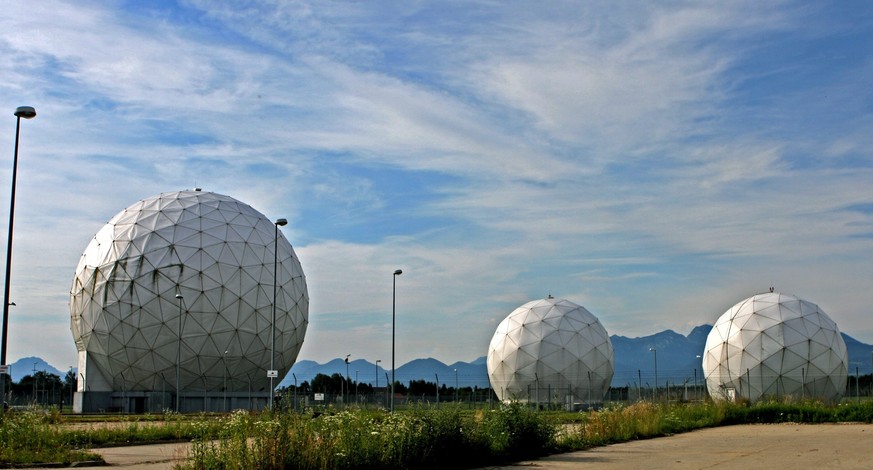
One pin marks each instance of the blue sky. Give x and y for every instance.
(655, 162)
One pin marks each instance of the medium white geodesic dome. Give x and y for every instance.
(218, 254)
(550, 348)
(775, 345)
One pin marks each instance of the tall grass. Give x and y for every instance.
(428, 438)
(639, 421)
(31, 436)
(424, 438)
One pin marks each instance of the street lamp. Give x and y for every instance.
(72, 386)
(25, 112)
(393, 328)
(346, 383)
(272, 372)
(456, 385)
(34, 383)
(225, 381)
(655, 351)
(179, 352)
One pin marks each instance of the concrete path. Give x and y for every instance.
(144, 457)
(822, 446)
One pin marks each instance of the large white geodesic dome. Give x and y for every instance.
(775, 345)
(548, 349)
(218, 254)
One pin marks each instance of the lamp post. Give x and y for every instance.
(346, 382)
(393, 328)
(655, 352)
(456, 385)
(72, 386)
(272, 372)
(179, 354)
(225, 381)
(25, 112)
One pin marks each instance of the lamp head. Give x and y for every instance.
(281, 222)
(26, 112)
(179, 296)
(398, 272)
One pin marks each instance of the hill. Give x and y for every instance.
(27, 366)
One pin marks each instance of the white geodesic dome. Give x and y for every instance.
(218, 254)
(550, 348)
(775, 345)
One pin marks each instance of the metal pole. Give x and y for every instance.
(397, 272)
(346, 382)
(225, 381)
(179, 355)
(655, 351)
(802, 383)
(272, 371)
(72, 383)
(695, 383)
(25, 112)
(377, 373)
(640, 384)
(589, 388)
(456, 385)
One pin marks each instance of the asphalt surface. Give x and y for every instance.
(820, 446)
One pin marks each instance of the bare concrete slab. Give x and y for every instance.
(820, 446)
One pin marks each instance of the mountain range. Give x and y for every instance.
(677, 361)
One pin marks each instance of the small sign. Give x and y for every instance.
(4, 369)
(273, 373)
(319, 397)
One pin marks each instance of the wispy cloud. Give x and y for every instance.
(654, 162)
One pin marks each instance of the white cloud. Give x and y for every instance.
(640, 159)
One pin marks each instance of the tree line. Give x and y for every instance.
(41, 388)
(337, 384)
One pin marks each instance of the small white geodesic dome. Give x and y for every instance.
(218, 254)
(775, 345)
(550, 348)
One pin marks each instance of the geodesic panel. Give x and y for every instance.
(218, 254)
(550, 348)
(774, 345)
